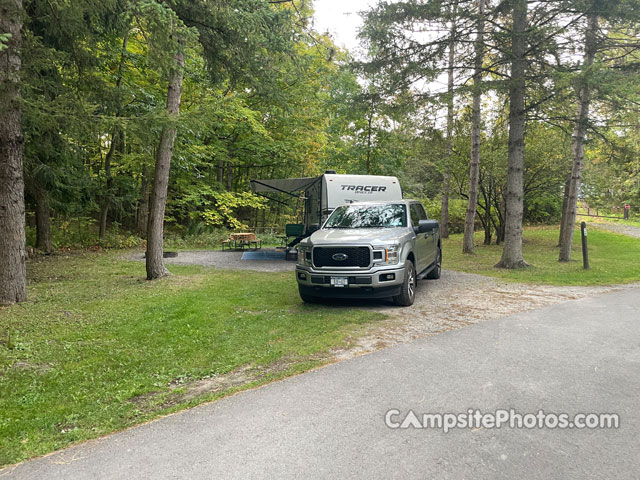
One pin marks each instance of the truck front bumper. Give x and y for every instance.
(375, 283)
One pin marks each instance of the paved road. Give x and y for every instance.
(580, 356)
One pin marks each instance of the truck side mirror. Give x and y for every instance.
(425, 226)
(314, 227)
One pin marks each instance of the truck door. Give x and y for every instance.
(429, 239)
(422, 242)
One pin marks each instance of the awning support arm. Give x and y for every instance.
(272, 199)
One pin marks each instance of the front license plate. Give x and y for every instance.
(339, 281)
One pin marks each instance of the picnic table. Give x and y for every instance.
(238, 241)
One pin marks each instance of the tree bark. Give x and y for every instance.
(565, 202)
(154, 259)
(106, 199)
(220, 171)
(512, 249)
(487, 228)
(446, 178)
(368, 161)
(577, 141)
(487, 221)
(43, 220)
(474, 167)
(13, 275)
(229, 177)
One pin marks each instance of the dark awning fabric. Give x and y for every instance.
(283, 185)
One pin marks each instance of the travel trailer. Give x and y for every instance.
(322, 194)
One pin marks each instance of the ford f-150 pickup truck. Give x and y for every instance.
(370, 250)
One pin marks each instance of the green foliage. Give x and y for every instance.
(222, 212)
(457, 212)
(4, 39)
(82, 233)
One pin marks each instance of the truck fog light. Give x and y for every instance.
(302, 276)
(387, 277)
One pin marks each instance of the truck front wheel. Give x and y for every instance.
(408, 293)
(307, 298)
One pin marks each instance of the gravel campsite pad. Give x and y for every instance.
(629, 230)
(227, 260)
(459, 299)
(454, 301)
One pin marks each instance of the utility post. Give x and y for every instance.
(585, 252)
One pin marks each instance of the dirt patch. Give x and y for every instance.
(23, 365)
(181, 391)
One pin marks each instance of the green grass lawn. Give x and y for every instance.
(614, 258)
(97, 348)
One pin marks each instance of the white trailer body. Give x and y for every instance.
(324, 193)
(340, 189)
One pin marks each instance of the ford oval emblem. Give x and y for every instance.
(339, 257)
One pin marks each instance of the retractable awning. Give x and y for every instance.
(284, 185)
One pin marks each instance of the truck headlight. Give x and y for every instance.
(390, 254)
(304, 255)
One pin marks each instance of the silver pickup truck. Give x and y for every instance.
(370, 250)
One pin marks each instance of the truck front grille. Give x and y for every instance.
(330, 256)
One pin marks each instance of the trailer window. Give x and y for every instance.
(368, 216)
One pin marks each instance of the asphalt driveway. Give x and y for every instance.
(581, 356)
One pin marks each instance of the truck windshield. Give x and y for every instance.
(368, 216)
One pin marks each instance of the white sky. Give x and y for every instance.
(340, 18)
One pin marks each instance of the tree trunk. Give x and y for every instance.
(565, 203)
(474, 167)
(487, 222)
(13, 275)
(116, 137)
(43, 220)
(446, 178)
(154, 260)
(577, 142)
(512, 249)
(368, 161)
(229, 177)
(143, 209)
(106, 198)
(220, 171)
(487, 229)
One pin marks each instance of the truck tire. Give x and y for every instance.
(437, 270)
(307, 298)
(408, 293)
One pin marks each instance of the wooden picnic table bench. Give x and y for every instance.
(238, 241)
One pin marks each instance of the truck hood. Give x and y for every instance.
(358, 236)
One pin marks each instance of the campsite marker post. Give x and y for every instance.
(585, 252)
